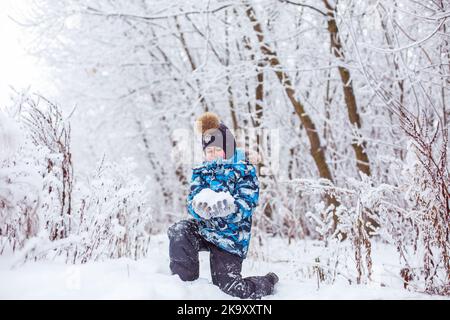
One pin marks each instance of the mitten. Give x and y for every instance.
(222, 208)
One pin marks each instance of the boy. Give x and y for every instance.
(224, 193)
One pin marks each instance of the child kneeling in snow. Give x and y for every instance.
(224, 193)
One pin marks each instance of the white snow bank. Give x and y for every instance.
(150, 278)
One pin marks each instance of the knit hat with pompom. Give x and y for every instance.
(215, 133)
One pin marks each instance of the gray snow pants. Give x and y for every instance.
(185, 244)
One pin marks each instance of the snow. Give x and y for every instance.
(212, 198)
(19, 69)
(124, 174)
(150, 278)
(10, 136)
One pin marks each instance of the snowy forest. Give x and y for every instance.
(343, 104)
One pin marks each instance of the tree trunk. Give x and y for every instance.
(231, 102)
(317, 151)
(362, 159)
(186, 50)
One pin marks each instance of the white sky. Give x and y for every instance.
(17, 68)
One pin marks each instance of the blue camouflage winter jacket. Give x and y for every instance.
(238, 177)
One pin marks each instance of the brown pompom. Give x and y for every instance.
(207, 121)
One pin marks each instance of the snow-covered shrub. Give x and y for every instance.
(20, 186)
(112, 216)
(420, 227)
(347, 248)
(50, 132)
(413, 215)
(47, 211)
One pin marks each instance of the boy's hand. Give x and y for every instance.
(223, 208)
(202, 209)
(211, 204)
(220, 209)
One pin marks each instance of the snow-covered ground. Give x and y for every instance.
(150, 278)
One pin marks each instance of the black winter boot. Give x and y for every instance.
(273, 278)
